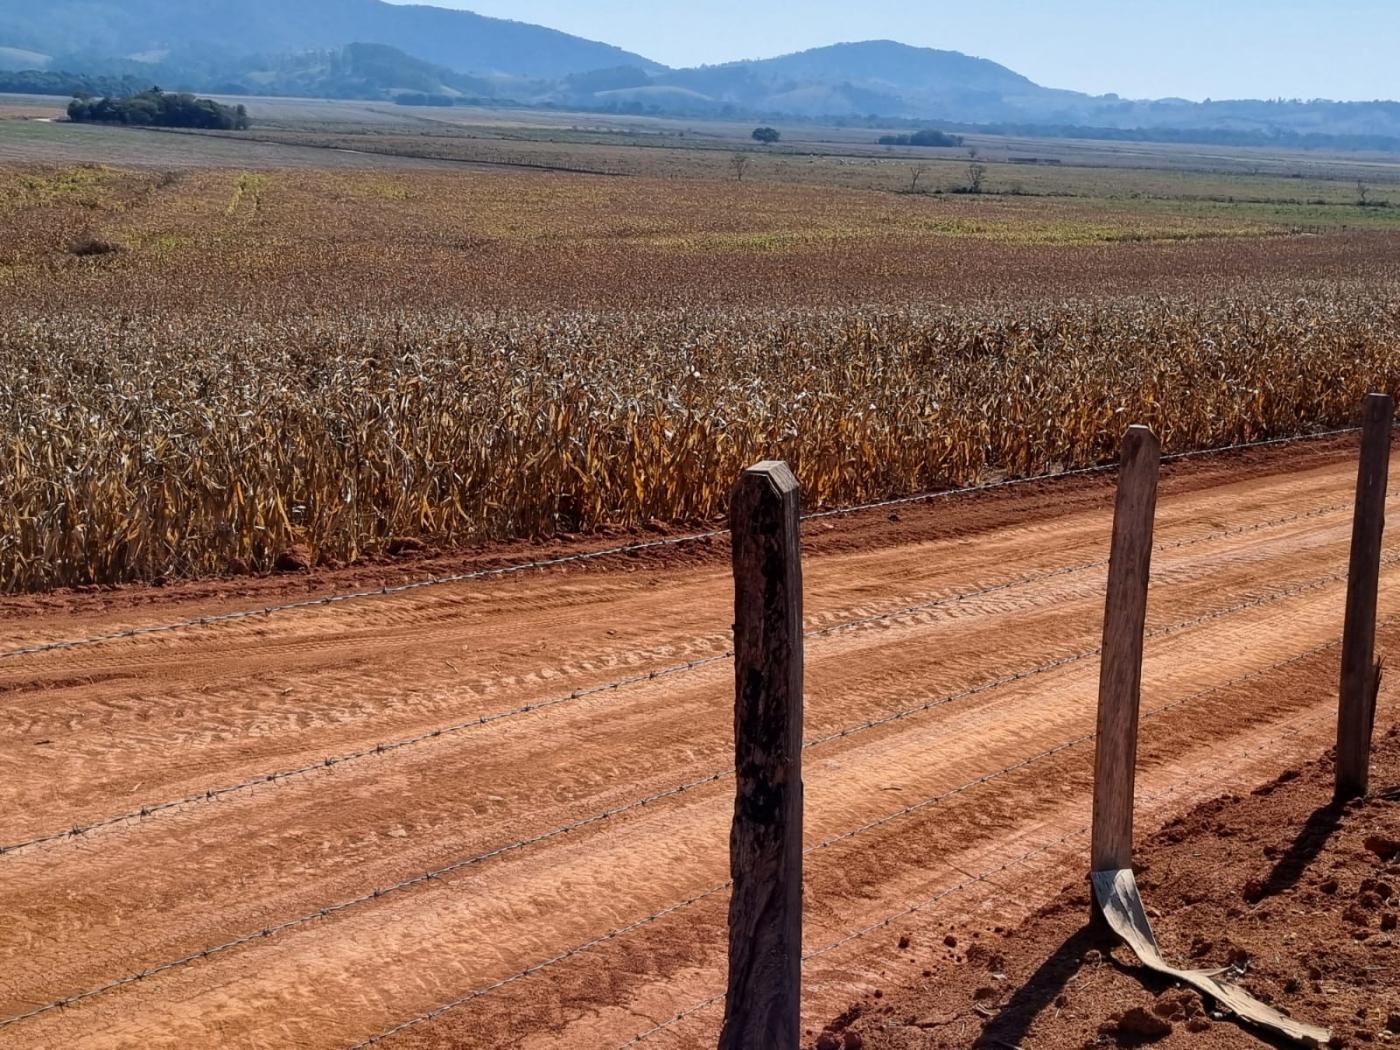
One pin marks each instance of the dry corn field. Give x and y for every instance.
(132, 452)
(206, 369)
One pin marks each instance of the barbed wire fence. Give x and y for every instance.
(385, 748)
(1079, 833)
(439, 874)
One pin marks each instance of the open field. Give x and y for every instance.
(951, 672)
(215, 365)
(297, 130)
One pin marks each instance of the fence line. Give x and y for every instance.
(385, 748)
(777, 989)
(1080, 832)
(585, 556)
(721, 887)
(439, 873)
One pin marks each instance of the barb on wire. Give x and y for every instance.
(1078, 656)
(586, 556)
(379, 750)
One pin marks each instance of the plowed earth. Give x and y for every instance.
(1299, 894)
(951, 680)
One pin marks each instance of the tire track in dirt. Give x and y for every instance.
(153, 739)
(95, 909)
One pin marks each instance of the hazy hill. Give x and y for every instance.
(371, 49)
(876, 76)
(162, 29)
(359, 71)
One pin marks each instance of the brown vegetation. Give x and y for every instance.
(333, 360)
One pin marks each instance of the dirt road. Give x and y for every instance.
(952, 668)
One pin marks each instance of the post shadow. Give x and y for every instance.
(1301, 852)
(1012, 1023)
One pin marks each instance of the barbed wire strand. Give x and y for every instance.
(1100, 468)
(1082, 654)
(390, 747)
(721, 887)
(456, 866)
(386, 590)
(967, 883)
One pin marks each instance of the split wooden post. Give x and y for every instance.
(1120, 669)
(762, 1011)
(1356, 710)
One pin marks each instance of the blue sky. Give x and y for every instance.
(1347, 49)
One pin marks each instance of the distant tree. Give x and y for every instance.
(976, 175)
(1363, 193)
(927, 137)
(160, 109)
(916, 172)
(767, 136)
(740, 163)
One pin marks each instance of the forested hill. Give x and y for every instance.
(377, 50)
(61, 30)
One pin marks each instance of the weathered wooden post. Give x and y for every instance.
(762, 1011)
(1120, 669)
(1356, 711)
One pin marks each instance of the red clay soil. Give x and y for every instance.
(1300, 893)
(510, 818)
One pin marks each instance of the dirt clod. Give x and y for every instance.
(1138, 1026)
(293, 559)
(1383, 846)
(1357, 915)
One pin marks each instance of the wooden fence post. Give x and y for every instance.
(1356, 710)
(762, 1011)
(1120, 669)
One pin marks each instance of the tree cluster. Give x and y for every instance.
(927, 137)
(420, 98)
(159, 109)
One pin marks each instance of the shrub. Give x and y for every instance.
(88, 244)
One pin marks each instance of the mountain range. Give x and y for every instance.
(373, 49)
